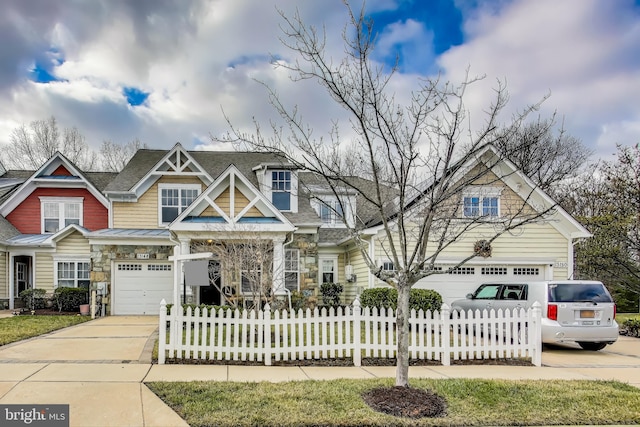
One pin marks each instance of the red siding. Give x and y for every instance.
(26, 217)
(61, 171)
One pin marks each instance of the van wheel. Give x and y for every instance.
(592, 346)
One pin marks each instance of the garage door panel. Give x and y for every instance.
(467, 278)
(139, 287)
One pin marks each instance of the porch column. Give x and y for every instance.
(185, 248)
(278, 265)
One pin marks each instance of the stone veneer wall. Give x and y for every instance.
(102, 255)
(308, 247)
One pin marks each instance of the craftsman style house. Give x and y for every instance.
(121, 233)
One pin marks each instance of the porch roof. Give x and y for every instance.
(160, 233)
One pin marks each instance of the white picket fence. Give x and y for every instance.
(265, 336)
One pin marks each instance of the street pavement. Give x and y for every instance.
(100, 369)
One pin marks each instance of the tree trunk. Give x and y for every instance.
(402, 333)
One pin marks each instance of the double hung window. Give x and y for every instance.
(175, 199)
(331, 212)
(59, 213)
(291, 269)
(281, 189)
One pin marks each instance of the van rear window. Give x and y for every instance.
(574, 292)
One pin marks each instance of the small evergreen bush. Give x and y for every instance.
(70, 299)
(33, 298)
(331, 294)
(631, 327)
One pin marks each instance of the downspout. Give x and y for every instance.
(570, 257)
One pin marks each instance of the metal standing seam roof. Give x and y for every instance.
(158, 233)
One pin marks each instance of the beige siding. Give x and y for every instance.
(144, 213)
(74, 244)
(44, 271)
(240, 202)
(534, 241)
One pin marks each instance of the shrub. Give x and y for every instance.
(298, 300)
(379, 297)
(331, 294)
(425, 299)
(631, 327)
(33, 298)
(69, 299)
(419, 299)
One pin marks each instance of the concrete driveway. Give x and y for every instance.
(97, 368)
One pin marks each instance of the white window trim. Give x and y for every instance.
(61, 201)
(482, 192)
(293, 203)
(169, 186)
(297, 270)
(73, 259)
(334, 259)
(348, 208)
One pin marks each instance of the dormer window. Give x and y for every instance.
(331, 212)
(481, 202)
(281, 189)
(58, 213)
(175, 198)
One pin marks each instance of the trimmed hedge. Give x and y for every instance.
(419, 299)
(69, 299)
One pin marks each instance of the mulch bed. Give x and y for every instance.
(406, 402)
(45, 312)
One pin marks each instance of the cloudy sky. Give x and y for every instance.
(162, 71)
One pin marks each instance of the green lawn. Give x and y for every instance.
(339, 402)
(621, 317)
(18, 328)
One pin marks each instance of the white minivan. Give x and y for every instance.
(577, 311)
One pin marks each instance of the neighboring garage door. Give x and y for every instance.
(139, 287)
(466, 279)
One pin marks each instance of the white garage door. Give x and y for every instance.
(139, 287)
(466, 279)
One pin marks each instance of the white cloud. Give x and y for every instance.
(579, 51)
(196, 57)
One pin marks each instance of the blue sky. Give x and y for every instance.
(162, 71)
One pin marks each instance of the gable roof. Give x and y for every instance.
(517, 181)
(57, 172)
(254, 213)
(213, 163)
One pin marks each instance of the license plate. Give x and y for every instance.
(587, 314)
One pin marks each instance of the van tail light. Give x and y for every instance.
(615, 310)
(552, 311)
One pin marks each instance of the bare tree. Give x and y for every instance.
(114, 157)
(545, 154)
(31, 146)
(415, 159)
(246, 266)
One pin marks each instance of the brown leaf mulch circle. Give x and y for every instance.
(406, 402)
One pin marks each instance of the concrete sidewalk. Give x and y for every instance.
(100, 369)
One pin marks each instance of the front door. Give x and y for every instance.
(211, 295)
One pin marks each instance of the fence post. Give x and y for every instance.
(162, 339)
(266, 315)
(536, 335)
(445, 334)
(357, 343)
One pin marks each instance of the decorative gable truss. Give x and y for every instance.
(232, 203)
(177, 162)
